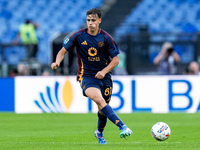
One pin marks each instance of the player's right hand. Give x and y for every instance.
(54, 66)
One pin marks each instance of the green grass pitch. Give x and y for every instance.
(76, 132)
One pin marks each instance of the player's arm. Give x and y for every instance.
(59, 58)
(114, 62)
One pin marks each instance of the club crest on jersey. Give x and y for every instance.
(67, 40)
(84, 43)
(101, 44)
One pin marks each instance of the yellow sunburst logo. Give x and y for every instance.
(67, 94)
(49, 103)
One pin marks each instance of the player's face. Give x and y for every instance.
(93, 22)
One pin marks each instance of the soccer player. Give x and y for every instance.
(97, 55)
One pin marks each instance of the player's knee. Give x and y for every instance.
(99, 101)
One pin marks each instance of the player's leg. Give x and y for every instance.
(108, 112)
(96, 96)
(107, 92)
(93, 84)
(102, 120)
(101, 123)
(100, 127)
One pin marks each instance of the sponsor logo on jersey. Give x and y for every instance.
(92, 51)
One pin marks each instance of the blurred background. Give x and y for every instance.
(139, 27)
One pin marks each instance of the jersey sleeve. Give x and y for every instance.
(112, 48)
(70, 42)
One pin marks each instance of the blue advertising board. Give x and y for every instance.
(7, 94)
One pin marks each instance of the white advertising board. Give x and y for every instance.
(156, 94)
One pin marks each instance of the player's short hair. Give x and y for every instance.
(94, 11)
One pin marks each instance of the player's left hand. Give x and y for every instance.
(100, 75)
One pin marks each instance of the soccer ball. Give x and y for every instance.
(160, 131)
